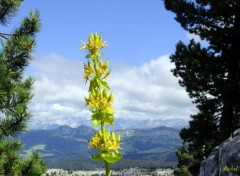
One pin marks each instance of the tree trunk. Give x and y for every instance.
(231, 94)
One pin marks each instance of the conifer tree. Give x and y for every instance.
(15, 91)
(210, 74)
(184, 159)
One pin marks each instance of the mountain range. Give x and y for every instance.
(120, 123)
(64, 142)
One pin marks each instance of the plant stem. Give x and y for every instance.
(107, 165)
(103, 128)
(107, 168)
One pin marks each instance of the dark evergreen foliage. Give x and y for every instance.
(184, 160)
(15, 91)
(210, 74)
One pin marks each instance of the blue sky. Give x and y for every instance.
(137, 31)
(141, 36)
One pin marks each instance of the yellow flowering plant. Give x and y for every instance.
(100, 102)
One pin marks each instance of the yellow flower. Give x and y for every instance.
(94, 43)
(88, 69)
(105, 142)
(100, 70)
(95, 99)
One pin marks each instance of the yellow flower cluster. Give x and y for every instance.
(94, 43)
(102, 70)
(97, 98)
(99, 70)
(88, 71)
(105, 142)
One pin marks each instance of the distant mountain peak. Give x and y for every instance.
(84, 127)
(120, 124)
(65, 142)
(66, 130)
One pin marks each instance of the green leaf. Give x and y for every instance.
(88, 56)
(109, 111)
(104, 84)
(98, 115)
(119, 138)
(113, 136)
(106, 74)
(97, 157)
(95, 123)
(98, 82)
(111, 157)
(100, 54)
(93, 84)
(109, 119)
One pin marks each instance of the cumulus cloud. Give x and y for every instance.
(149, 91)
(143, 92)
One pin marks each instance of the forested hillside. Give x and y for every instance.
(157, 144)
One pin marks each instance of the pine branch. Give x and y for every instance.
(5, 35)
(3, 14)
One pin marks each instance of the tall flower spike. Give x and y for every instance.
(100, 102)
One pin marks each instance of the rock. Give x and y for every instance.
(224, 160)
(236, 133)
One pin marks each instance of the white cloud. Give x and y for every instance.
(147, 91)
(150, 90)
(62, 108)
